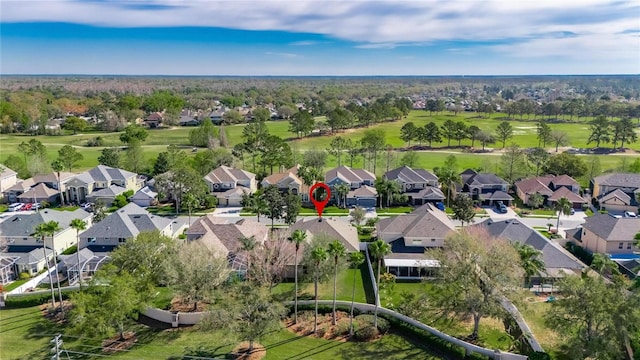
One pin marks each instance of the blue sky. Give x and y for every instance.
(330, 37)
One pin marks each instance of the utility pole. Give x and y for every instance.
(57, 343)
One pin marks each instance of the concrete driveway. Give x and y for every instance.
(494, 215)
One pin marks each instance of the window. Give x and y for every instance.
(417, 241)
(621, 245)
(628, 246)
(433, 240)
(91, 240)
(25, 238)
(121, 240)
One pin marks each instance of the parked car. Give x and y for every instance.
(630, 214)
(501, 207)
(15, 206)
(440, 206)
(26, 207)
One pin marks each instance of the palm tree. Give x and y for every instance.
(248, 244)
(563, 206)
(530, 260)
(79, 225)
(342, 190)
(297, 237)
(318, 256)
(355, 260)
(448, 179)
(378, 250)
(52, 227)
(387, 188)
(336, 251)
(41, 232)
(257, 205)
(57, 166)
(604, 265)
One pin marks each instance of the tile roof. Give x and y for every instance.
(333, 228)
(554, 256)
(618, 179)
(425, 221)
(409, 175)
(611, 228)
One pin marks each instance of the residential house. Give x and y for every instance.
(8, 270)
(629, 267)
(39, 194)
(486, 188)
(153, 120)
(222, 236)
(229, 184)
(8, 178)
(355, 178)
(419, 185)
(144, 197)
(558, 261)
(50, 180)
(365, 196)
(217, 115)
(188, 118)
(31, 262)
(330, 228)
(608, 234)
(288, 180)
(80, 187)
(552, 188)
(106, 195)
(409, 235)
(126, 223)
(607, 190)
(17, 230)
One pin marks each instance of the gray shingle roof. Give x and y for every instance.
(111, 191)
(425, 221)
(611, 228)
(554, 256)
(126, 223)
(428, 193)
(409, 175)
(618, 179)
(336, 229)
(471, 177)
(348, 174)
(23, 225)
(227, 174)
(106, 173)
(221, 234)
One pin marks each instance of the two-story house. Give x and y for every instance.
(18, 232)
(45, 185)
(419, 185)
(486, 188)
(409, 235)
(355, 179)
(616, 192)
(552, 188)
(8, 178)
(124, 224)
(609, 234)
(288, 180)
(80, 188)
(229, 184)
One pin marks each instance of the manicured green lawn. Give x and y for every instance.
(285, 291)
(395, 210)
(327, 210)
(14, 285)
(550, 340)
(26, 335)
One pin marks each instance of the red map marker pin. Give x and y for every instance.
(320, 204)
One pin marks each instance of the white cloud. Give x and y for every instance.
(284, 55)
(530, 27)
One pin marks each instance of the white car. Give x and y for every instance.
(15, 207)
(630, 214)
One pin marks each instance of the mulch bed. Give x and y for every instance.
(326, 330)
(178, 305)
(57, 316)
(240, 352)
(115, 343)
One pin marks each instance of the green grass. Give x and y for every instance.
(327, 211)
(14, 285)
(525, 136)
(539, 212)
(3, 208)
(550, 340)
(65, 208)
(395, 210)
(285, 291)
(26, 326)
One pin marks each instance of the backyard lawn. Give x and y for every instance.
(26, 335)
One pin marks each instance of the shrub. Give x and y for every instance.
(71, 250)
(368, 320)
(320, 332)
(32, 299)
(365, 333)
(342, 327)
(120, 201)
(96, 141)
(127, 194)
(539, 356)
(24, 276)
(210, 201)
